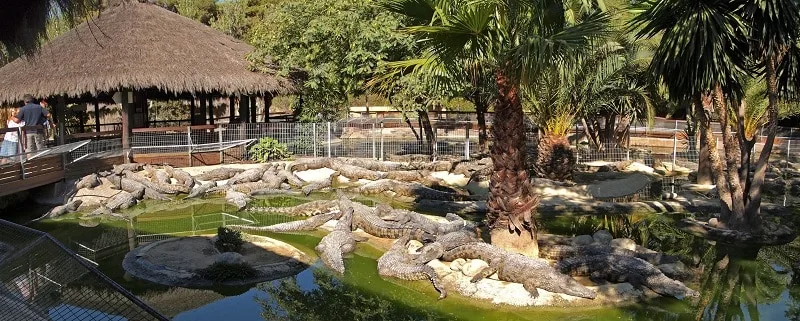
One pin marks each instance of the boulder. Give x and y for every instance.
(457, 264)
(603, 237)
(229, 258)
(472, 267)
(581, 240)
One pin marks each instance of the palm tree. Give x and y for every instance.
(24, 22)
(705, 44)
(515, 40)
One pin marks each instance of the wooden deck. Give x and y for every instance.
(18, 177)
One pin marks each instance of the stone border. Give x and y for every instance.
(134, 264)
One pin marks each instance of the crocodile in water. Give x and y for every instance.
(396, 263)
(306, 209)
(308, 224)
(560, 252)
(341, 241)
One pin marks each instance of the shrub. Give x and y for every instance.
(221, 272)
(228, 240)
(268, 149)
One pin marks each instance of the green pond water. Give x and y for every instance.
(753, 285)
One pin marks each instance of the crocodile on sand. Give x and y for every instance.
(444, 243)
(620, 268)
(365, 219)
(414, 219)
(121, 200)
(396, 263)
(201, 190)
(219, 174)
(532, 273)
(132, 186)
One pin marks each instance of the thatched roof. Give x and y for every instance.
(138, 46)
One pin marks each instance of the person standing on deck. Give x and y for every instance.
(10, 146)
(33, 114)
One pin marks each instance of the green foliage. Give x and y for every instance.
(168, 110)
(338, 43)
(228, 240)
(200, 10)
(268, 149)
(221, 272)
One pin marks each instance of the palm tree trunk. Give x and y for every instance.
(753, 210)
(736, 219)
(713, 159)
(481, 107)
(511, 199)
(430, 136)
(703, 161)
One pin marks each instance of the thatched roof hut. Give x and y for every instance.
(138, 46)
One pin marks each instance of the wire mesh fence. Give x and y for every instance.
(42, 280)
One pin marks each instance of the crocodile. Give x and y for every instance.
(560, 252)
(180, 176)
(121, 200)
(64, 209)
(248, 187)
(272, 180)
(161, 188)
(532, 273)
(416, 190)
(365, 219)
(157, 176)
(290, 177)
(219, 174)
(132, 186)
(122, 168)
(88, 181)
(410, 218)
(339, 242)
(395, 263)
(443, 243)
(356, 172)
(305, 164)
(372, 164)
(306, 209)
(250, 175)
(318, 185)
(621, 268)
(273, 191)
(237, 198)
(201, 190)
(308, 224)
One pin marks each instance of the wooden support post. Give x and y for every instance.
(267, 105)
(253, 111)
(97, 115)
(210, 109)
(244, 109)
(60, 111)
(203, 110)
(231, 109)
(192, 112)
(127, 130)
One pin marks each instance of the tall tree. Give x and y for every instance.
(515, 40)
(704, 46)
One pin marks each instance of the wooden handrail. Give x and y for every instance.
(173, 129)
(96, 134)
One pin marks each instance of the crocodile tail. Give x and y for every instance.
(434, 278)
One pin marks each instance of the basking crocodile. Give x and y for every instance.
(410, 218)
(250, 175)
(122, 168)
(272, 180)
(219, 174)
(287, 176)
(620, 268)
(273, 191)
(414, 189)
(132, 186)
(157, 176)
(247, 187)
(180, 176)
(121, 200)
(444, 243)
(395, 263)
(306, 209)
(161, 188)
(532, 273)
(305, 164)
(88, 181)
(355, 172)
(308, 224)
(64, 209)
(201, 190)
(365, 219)
(341, 241)
(237, 198)
(560, 252)
(318, 185)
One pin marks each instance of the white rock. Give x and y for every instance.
(457, 264)
(229, 258)
(642, 249)
(413, 246)
(581, 240)
(315, 175)
(603, 237)
(450, 178)
(624, 243)
(472, 267)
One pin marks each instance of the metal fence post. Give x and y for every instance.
(382, 148)
(466, 141)
(374, 148)
(314, 137)
(221, 151)
(329, 139)
(674, 146)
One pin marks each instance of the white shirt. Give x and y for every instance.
(12, 136)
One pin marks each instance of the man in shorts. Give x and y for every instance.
(33, 114)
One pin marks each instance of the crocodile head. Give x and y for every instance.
(561, 283)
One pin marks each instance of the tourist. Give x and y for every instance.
(32, 114)
(10, 146)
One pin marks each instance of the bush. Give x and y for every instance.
(268, 149)
(228, 240)
(221, 272)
